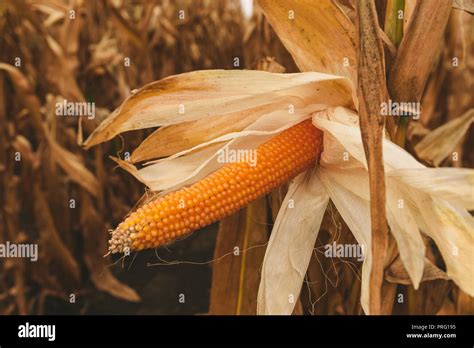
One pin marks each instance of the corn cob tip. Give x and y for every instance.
(120, 241)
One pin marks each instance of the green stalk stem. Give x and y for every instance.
(394, 29)
(393, 26)
(401, 134)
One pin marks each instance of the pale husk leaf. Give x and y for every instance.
(291, 245)
(453, 232)
(406, 232)
(451, 184)
(191, 165)
(350, 173)
(356, 213)
(342, 125)
(402, 223)
(414, 180)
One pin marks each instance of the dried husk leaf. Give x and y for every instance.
(169, 140)
(291, 245)
(176, 138)
(342, 124)
(194, 95)
(414, 180)
(440, 143)
(402, 223)
(350, 173)
(173, 139)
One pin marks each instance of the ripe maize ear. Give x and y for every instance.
(221, 193)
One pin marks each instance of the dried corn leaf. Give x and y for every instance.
(440, 143)
(429, 298)
(126, 28)
(50, 238)
(396, 273)
(318, 34)
(409, 72)
(465, 5)
(95, 242)
(10, 230)
(26, 92)
(73, 166)
(464, 303)
(68, 161)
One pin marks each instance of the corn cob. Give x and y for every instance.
(221, 193)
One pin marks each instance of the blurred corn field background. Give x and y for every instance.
(66, 199)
